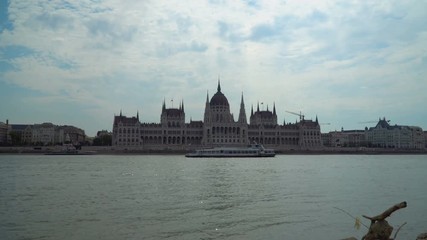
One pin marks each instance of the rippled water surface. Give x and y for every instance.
(173, 197)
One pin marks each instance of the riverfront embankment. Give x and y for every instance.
(107, 150)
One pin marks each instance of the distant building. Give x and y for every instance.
(395, 136)
(72, 134)
(218, 128)
(383, 135)
(46, 134)
(21, 133)
(327, 139)
(4, 133)
(345, 138)
(43, 134)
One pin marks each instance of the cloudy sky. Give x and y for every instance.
(81, 62)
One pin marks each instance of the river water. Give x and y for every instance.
(173, 197)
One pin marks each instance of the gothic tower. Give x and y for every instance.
(173, 117)
(242, 113)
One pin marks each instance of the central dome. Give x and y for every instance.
(219, 99)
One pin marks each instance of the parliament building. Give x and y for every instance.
(218, 128)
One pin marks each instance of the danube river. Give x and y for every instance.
(173, 197)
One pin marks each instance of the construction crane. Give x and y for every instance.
(301, 116)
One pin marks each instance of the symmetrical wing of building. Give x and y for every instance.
(218, 128)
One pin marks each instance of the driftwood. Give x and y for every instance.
(387, 212)
(379, 228)
(422, 236)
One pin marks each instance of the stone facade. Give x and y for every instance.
(395, 136)
(43, 133)
(24, 131)
(4, 133)
(218, 128)
(345, 138)
(383, 135)
(47, 134)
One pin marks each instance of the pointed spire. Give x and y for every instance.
(242, 114)
(219, 85)
(252, 110)
(267, 107)
(207, 108)
(137, 115)
(164, 105)
(317, 121)
(120, 112)
(257, 108)
(182, 103)
(274, 109)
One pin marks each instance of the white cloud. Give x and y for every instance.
(303, 55)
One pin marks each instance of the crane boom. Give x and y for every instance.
(301, 116)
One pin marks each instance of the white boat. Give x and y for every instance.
(253, 150)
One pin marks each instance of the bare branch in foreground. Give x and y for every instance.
(397, 231)
(356, 219)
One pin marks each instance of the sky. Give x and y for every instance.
(81, 62)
